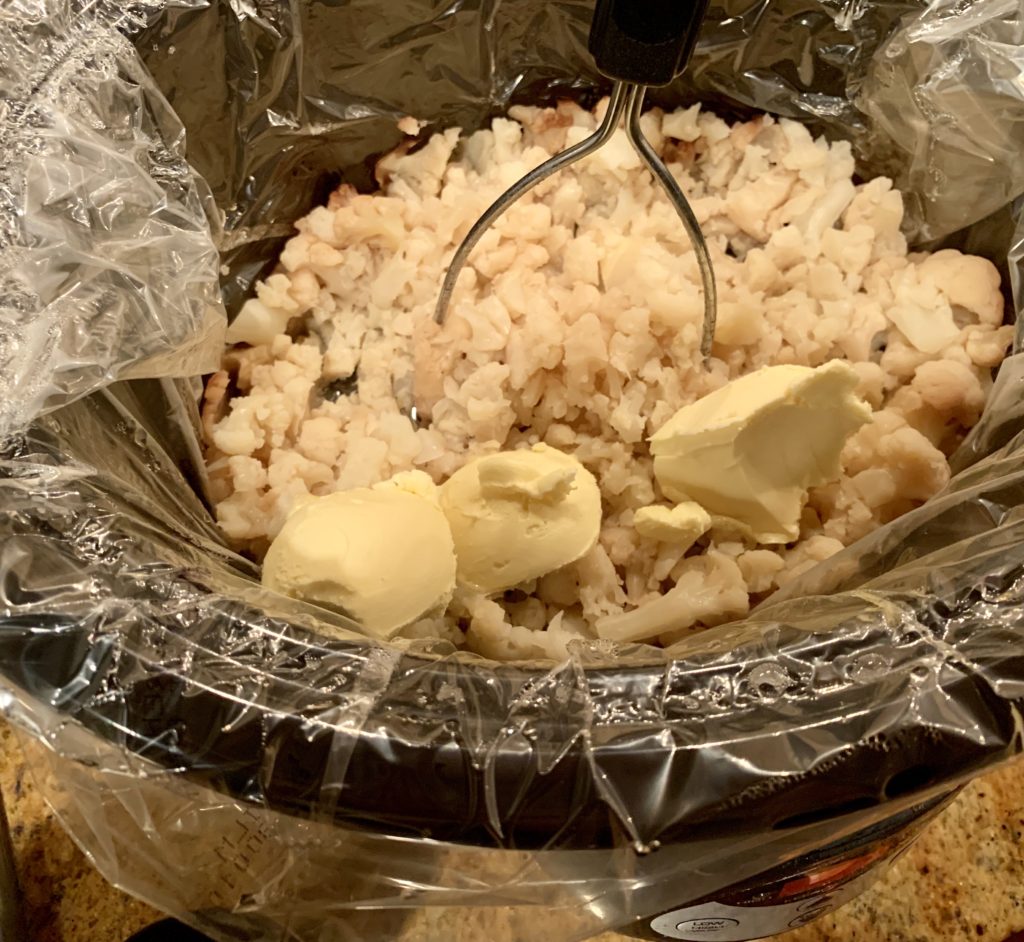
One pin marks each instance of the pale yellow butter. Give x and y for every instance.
(682, 525)
(517, 515)
(383, 555)
(751, 449)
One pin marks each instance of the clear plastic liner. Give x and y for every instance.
(107, 261)
(253, 764)
(945, 93)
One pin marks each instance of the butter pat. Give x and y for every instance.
(382, 555)
(517, 515)
(751, 449)
(683, 524)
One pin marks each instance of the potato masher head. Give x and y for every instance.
(639, 44)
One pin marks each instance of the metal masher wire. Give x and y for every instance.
(678, 200)
(626, 98)
(616, 107)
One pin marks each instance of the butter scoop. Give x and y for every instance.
(751, 449)
(382, 555)
(518, 515)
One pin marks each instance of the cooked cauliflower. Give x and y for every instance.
(577, 324)
(709, 590)
(760, 568)
(492, 634)
(888, 468)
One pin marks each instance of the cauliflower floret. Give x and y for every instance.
(918, 467)
(363, 463)
(876, 487)
(760, 271)
(431, 629)
(888, 467)
(932, 424)
(419, 173)
(275, 293)
(544, 127)
(492, 635)
(599, 589)
(786, 248)
(710, 590)
(320, 439)
(805, 556)
(871, 384)
(878, 206)
(244, 516)
(749, 206)
(247, 474)
(326, 258)
(921, 469)
(529, 612)
(987, 347)
(849, 518)
(486, 405)
(951, 388)
(968, 282)
(825, 210)
(801, 152)
(286, 466)
(682, 124)
(586, 351)
(850, 249)
(409, 125)
(240, 432)
(825, 282)
(899, 359)
(922, 312)
(305, 289)
(560, 588)
(759, 568)
(295, 254)
(320, 224)
(490, 632)
(741, 321)
(369, 221)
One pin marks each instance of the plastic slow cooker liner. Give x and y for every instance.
(254, 765)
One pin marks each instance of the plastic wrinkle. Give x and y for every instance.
(107, 263)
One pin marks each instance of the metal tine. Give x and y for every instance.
(678, 199)
(626, 99)
(612, 116)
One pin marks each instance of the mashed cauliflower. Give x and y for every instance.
(577, 324)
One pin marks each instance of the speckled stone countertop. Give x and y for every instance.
(963, 879)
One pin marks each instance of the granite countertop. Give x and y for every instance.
(962, 880)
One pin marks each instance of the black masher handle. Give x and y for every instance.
(647, 42)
